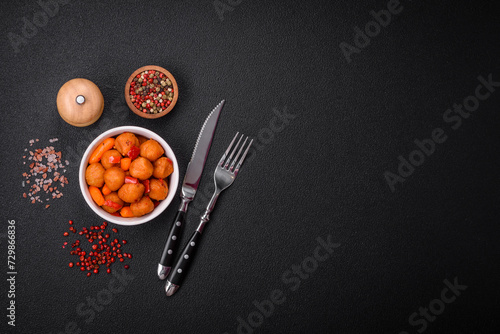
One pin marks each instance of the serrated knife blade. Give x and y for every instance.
(200, 152)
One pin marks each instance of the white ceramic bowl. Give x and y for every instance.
(172, 186)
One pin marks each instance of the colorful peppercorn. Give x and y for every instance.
(151, 92)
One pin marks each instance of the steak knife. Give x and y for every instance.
(189, 187)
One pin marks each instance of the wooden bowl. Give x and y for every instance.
(138, 111)
(80, 102)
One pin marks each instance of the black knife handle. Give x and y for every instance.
(181, 268)
(174, 237)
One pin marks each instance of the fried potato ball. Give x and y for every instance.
(125, 141)
(131, 192)
(141, 168)
(114, 198)
(110, 155)
(163, 167)
(151, 150)
(159, 189)
(142, 139)
(94, 175)
(142, 207)
(114, 178)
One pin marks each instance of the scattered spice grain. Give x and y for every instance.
(101, 255)
(45, 174)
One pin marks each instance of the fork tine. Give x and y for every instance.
(232, 153)
(227, 151)
(242, 158)
(237, 155)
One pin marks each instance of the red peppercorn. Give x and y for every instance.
(126, 266)
(88, 274)
(65, 234)
(102, 254)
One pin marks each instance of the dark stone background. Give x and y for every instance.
(322, 175)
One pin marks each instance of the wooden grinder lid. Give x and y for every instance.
(80, 102)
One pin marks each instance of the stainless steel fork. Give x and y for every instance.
(225, 173)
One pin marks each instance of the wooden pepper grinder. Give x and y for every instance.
(80, 102)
